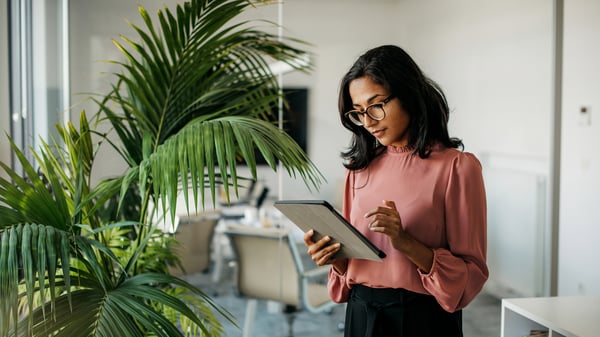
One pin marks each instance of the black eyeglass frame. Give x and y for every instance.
(357, 121)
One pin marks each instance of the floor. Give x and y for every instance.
(480, 319)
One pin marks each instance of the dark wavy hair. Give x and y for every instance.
(423, 100)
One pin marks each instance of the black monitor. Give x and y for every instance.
(295, 116)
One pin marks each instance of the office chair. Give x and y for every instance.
(194, 234)
(269, 267)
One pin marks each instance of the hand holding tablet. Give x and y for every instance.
(320, 216)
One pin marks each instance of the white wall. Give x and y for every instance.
(580, 164)
(4, 112)
(493, 60)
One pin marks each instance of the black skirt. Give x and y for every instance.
(373, 312)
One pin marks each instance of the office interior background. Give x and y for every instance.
(522, 79)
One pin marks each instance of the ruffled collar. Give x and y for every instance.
(399, 149)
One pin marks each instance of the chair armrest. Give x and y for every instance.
(316, 272)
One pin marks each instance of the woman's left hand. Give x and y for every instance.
(386, 219)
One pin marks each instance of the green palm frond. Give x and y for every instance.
(232, 139)
(38, 261)
(192, 66)
(38, 252)
(201, 308)
(93, 314)
(105, 301)
(40, 209)
(53, 194)
(37, 198)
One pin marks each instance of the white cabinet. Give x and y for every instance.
(568, 316)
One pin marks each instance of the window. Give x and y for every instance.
(38, 75)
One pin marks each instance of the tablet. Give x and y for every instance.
(326, 220)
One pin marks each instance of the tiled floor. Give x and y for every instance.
(480, 319)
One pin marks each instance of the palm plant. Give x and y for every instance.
(188, 105)
(198, 80)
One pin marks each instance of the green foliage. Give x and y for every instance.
(194, 94)
(189, 103)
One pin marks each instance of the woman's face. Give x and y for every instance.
(391, 130)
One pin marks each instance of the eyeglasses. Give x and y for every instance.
(374, 111)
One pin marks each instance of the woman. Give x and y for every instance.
(416, 195)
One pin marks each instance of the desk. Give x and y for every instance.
(568, 316)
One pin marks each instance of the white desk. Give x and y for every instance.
(568, 316)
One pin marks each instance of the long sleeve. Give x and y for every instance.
(337, 286)
(459, 271)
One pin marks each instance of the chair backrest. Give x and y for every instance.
(268, 266)
(194, 234)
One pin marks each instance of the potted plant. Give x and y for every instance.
(187, 106)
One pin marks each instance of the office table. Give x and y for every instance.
(567, 316)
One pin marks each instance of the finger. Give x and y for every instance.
(391, 204)
(388, 208)
(315, 247)
(397, 221)
(318, 251)
(377, 226)
(375, 211)
(308, 237)
(380, 219)
(386, 230)
(321, 257)
(323, 242)
(328, 253)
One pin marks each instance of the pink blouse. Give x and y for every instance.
(442, 204)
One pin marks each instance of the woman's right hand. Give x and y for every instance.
(321, 252)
